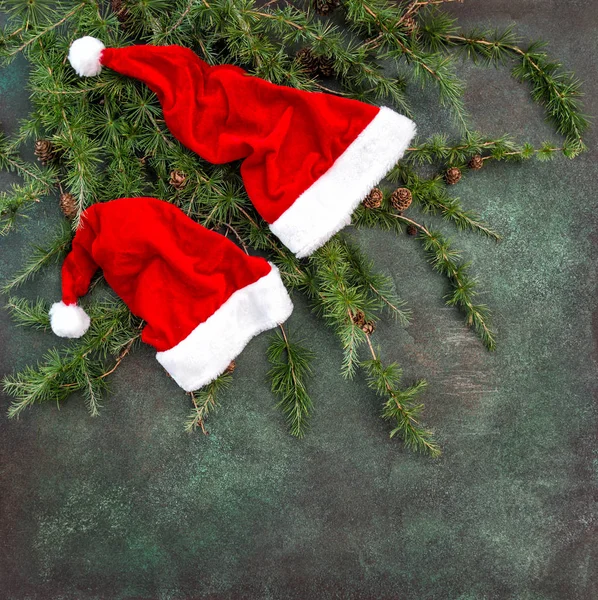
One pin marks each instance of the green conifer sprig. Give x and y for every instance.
(290, 369)
(400, 408)
(29, 314)
(41, 257)
(16, 203)
(338, 299)
(439, 150)
(343, 291)
(20, 199)
(205, 402)
(447, 261)
(551, 86)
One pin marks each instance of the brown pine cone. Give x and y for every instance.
(231, 367)
(411, 230)
(374, 199)
(121, 12)
(178, 179)
(44, 150)
(326, 66)
(452, 176)
(68, 205)
(314, 65)
(477, 162)
(325, 7)
(358, 318)
(401, 199)
(308, 61)
(368, 328)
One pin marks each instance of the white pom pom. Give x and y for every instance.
(84, 56)
(68, 320)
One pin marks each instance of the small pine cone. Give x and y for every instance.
(358, 318)
(121, 12)
(44, 150)
(309, 62)
(326, 66)
(178, 179)
(374, 198)
(452, 176)
(409, 24)
(68, 205)
(368, 328)
(401, 199)
(476, 163)
(411, 230)
(231, 367)
(325, 7)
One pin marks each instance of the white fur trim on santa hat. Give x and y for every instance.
(209, 349)
(84, 56)
(326, 206)
(68, 320)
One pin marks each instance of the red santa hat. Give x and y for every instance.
(201, 296)
(309, 158)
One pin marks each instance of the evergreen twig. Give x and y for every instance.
(557, 90)
(399, 407)
(447, 261)
(290, 367)
(205, 402)
(41, 257)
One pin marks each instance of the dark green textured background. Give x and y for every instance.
(129, 506)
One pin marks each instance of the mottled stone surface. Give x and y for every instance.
(128, 506)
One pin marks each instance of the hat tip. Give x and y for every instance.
(68, 320)
(85, 54)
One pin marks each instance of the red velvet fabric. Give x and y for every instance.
(287, 138)
(169, 270)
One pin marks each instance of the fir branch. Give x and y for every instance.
(399, 407)
(93, 387)
(557, 90)
(41, 257)
(29, 314)
(34, 385)
(10, 161)
(39, 33)
(16, 202)
(446, 261)
(337, 299)
(205, 402)
(438, 150)
(21, 198)
(163, 36)
(290, 367)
